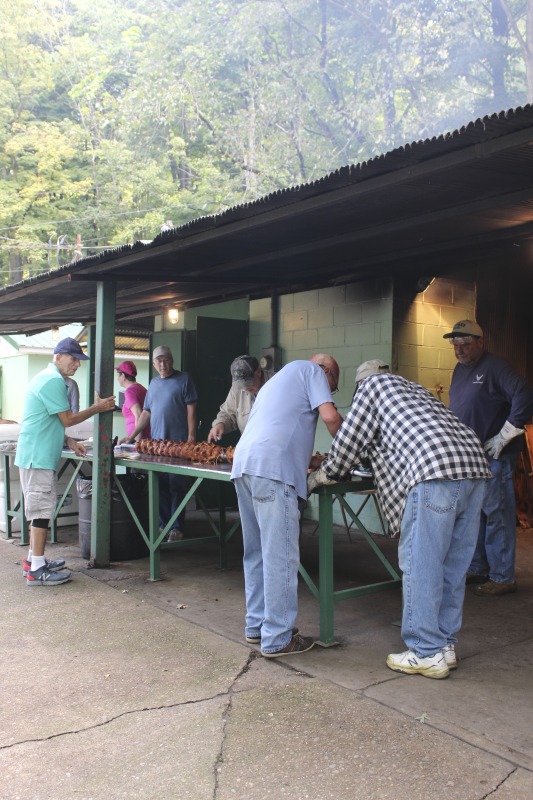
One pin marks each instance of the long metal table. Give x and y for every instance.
(324, 591)
(198, 473)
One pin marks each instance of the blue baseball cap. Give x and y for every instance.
(70, 347)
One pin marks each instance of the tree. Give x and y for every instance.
(115, 117)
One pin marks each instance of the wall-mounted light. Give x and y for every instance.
(173, 315)
(55, 333)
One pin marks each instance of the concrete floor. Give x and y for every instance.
(148, 689)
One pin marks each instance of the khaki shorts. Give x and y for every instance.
(39, 487)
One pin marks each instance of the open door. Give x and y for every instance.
(218, 342)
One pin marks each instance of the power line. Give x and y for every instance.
(93, 217)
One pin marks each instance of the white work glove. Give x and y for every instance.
(493, 447)
(317, 478)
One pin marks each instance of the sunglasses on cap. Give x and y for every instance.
(462, 340)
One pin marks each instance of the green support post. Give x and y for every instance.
(325, 549)
(91, 350)
(104, 361)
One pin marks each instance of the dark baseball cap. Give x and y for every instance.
(242, 370)
(70, 347)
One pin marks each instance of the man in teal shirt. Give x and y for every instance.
(46, 414)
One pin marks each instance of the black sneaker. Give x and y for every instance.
(45, 577)
(257, 639)
(298, 644)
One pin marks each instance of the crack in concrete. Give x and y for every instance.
(226, 718)
(500, 784)
(229, 691)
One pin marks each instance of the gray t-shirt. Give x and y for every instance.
(167, 400)
(278, 440)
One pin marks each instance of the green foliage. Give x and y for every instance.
(115, 117)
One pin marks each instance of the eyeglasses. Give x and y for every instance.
(463, 340)
(335, 380)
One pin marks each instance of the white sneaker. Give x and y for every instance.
(174, 535)
(431, 667)
(450, 656)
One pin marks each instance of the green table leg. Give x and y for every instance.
(222, 527)
(153, 521)
(325, 555)
(7, 495)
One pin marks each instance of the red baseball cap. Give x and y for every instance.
(128, 367)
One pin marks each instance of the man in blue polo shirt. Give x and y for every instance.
(46, 414)
(492, 399)
(170, 408)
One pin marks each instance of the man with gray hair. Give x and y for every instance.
(46, 414)
(170, 408)
(430, 472)
(247, 378)
(373, 367)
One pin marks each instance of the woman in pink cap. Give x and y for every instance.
(134, 395)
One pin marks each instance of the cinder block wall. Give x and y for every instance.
(352, 323)
(419, 352)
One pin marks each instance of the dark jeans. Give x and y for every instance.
(172, 490)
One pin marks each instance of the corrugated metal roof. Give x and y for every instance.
(418, 209)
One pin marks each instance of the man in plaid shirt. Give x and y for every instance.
(430, 472)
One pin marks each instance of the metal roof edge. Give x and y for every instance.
(475, 132)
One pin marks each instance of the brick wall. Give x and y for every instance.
(352, 323)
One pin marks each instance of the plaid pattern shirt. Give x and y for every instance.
(409, 436)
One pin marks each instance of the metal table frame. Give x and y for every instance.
(17, 510)
(325, 592)
(153, 465)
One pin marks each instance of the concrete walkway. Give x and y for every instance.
(114, 687)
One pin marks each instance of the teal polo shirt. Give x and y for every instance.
(42, 433)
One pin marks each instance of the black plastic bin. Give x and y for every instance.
(127, 542)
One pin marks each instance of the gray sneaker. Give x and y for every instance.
(51, 564)
(46, 577)
(174, 535)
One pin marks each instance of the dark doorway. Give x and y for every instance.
(218, 342)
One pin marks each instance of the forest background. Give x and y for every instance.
(121, 117)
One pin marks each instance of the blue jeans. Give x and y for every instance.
(172, 490)
(270, 520)
(496, 545)
(438, 536)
